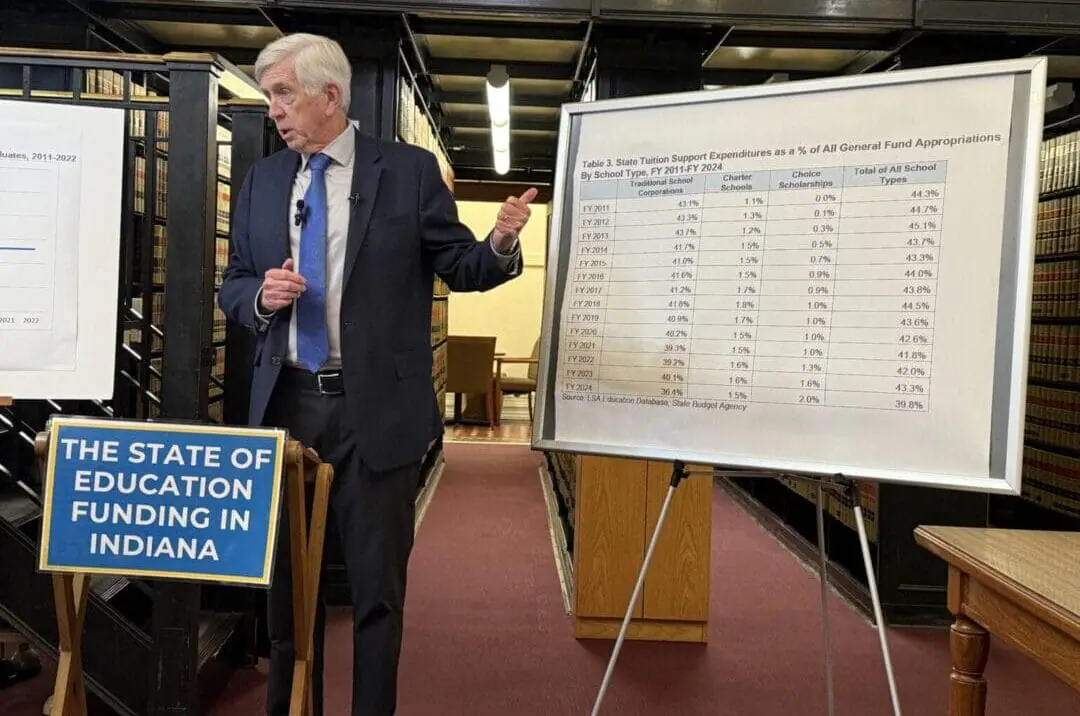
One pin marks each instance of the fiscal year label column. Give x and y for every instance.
(588, 277)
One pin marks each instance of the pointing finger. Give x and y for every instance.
(529, 195)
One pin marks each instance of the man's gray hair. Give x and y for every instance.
(318, 60)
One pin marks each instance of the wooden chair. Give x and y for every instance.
(469, 361)
(513, 385)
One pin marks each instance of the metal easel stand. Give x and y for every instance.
(879, 619)
(839, 483)
(677, 474)
(849, 488)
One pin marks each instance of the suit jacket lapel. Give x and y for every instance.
(281, 190)
(365, 185)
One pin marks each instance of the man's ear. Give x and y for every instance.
(333, 96)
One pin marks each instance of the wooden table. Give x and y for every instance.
(1021, 586)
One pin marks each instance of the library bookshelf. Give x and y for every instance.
(150, 134)
(179, 127)
(1052, 429)
(415, 125)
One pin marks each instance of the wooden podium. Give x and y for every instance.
(617, 504)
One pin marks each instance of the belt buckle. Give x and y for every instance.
(326, 391)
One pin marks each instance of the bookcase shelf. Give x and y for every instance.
(1052, 427)
(148, 131)
(141, 623)
(416, 126)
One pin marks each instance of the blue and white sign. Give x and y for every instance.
(193, 502)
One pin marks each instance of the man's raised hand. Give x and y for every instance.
(512, 218)
(281, 287)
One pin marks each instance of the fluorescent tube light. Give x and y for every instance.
(502, 162)
(498, 99)
(498, 95)
(500, 138)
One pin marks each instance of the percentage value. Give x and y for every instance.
(910, 405)
(922, 241)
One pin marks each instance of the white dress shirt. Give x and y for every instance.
(339, 173)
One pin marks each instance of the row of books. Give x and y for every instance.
(224, 205)
(161, 168)
(161, 172)
(1053, 417)
(139, 188)
(439, 318)
(1060, 163)
(415, 127)
(111, 85)
(1055, 353)
(840, 506)
(1056, 289)
(563, 468)
(1052, 480)
(438, 375)
(133, 336)
(1057, 226)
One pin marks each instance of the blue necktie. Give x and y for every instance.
(312, 344)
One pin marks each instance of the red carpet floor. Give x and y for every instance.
(486, 632)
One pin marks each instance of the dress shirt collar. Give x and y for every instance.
(341, 150)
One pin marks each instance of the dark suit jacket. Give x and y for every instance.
(403, 230)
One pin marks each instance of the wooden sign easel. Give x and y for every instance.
(306, 554)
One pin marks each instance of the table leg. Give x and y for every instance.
(969, 646)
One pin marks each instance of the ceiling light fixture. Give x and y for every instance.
(498, 100)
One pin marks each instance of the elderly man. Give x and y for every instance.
(336, 241)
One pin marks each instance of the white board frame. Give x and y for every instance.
(1014, 306)
(102, 167)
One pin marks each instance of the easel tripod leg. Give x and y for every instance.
(69, 694)
(879, 619)
(306, 541)
(823, 572)
(316, 541)
(303, 602)
(677, 476)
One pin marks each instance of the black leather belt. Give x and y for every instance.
(328, 382)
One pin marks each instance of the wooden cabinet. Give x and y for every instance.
(618, 502)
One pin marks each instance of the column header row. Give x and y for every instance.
(616, 184)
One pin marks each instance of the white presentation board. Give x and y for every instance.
(826, 277)
(61, 182)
